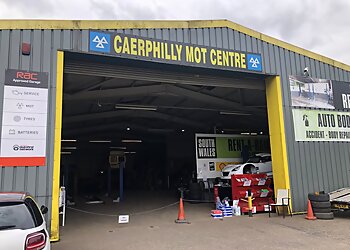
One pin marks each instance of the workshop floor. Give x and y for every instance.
(157, 230)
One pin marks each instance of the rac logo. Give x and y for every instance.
(27, 75)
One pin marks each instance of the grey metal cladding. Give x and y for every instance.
(313, 166)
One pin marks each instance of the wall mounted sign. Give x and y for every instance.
(24, 119)
(311, 92)
(319, 93)
(321, 125)
(130, 46)
(215, 151)
(341, 93)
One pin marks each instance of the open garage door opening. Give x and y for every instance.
(154, 121)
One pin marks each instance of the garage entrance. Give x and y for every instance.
(148, 114)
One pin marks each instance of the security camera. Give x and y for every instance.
(306, 71)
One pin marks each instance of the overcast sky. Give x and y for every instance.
(322, 26)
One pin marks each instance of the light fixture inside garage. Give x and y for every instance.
(160, 130)
(65, 140)
(232, 113)
(136, 107)
(69, 148)
(122, 148)
(66, 153)
(102, 141)
(131, 141)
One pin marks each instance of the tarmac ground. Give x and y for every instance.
(157, 230)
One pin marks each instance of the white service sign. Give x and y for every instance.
(22, 148)
(21, 132)
(25, 106)
(24, 119)
(23, 93)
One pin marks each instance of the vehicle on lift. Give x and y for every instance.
(259, 163)
(22, 225)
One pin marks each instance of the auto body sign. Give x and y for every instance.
(320, 125)
(24, 119)
(130, 46)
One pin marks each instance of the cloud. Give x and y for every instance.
(320, 26)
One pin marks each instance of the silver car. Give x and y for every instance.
(259, 163)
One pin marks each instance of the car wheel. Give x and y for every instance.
(249, 169)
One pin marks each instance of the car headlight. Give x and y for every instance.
(236, 168)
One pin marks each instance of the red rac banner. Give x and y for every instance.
(24, 119)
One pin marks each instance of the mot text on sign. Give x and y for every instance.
(149, 49)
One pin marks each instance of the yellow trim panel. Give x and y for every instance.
(123, 24)
(277, 133)
(57, 149)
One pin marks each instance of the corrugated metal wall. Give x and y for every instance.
(313, 166)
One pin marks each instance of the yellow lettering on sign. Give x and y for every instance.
(141, 47)
(178, 50)
(189, 54)
(225, 58)
(172, 52)
(149, 47)
(167, 55)
(213, 56)
(117, 44)
(231, 55)
(219, 57)
(237, 60)
(126, 48)
(197, 54)
(156, 50)
(162, 50)
(204, 55)
(243, 61)
(133, 42)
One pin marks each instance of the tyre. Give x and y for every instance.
(249, 169)
(325, 216)
(322, 210)
(195, 191)
(319, 197)
(320, 204)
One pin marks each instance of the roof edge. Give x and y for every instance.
(158, 24)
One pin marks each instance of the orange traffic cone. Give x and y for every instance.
(181, 215)
(310, 213)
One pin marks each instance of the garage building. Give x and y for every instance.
(156, 84)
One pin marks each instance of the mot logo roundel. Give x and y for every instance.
(100, 42)
(254, 62)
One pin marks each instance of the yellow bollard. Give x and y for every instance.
(250, 203)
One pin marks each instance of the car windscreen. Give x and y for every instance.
(254, 160)
(14, 215)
